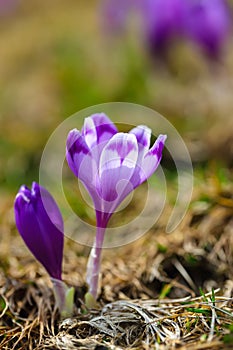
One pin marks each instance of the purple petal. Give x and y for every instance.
(50, 205)
(152, 158)
(42, 234)
(82, 162)
(117, 165)
(143, 136)
(76, 150)
(80, 158)
(121, 150)
(98, 130)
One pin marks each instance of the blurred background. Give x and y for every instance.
(58, 57)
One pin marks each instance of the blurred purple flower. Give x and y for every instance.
(40, 224)
(7, 6)
(164, 21)
(209, 24)
(205, 22)
(110, 164)
(115, 13)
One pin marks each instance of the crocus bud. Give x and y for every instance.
(40, 224)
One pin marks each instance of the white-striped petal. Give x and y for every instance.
(80, 159)
(117, 165)
(98, 129)
(143, 135)
(152, 158)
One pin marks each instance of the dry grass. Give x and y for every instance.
(150, 296)
(146, 324)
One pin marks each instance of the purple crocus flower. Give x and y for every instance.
(110, 164)
(163, 21)
(209, 24)
(40, 224)
(205, 22)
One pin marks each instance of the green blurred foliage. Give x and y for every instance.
(56, 59)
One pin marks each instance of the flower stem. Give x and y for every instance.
(93, 266)
(64, 297)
